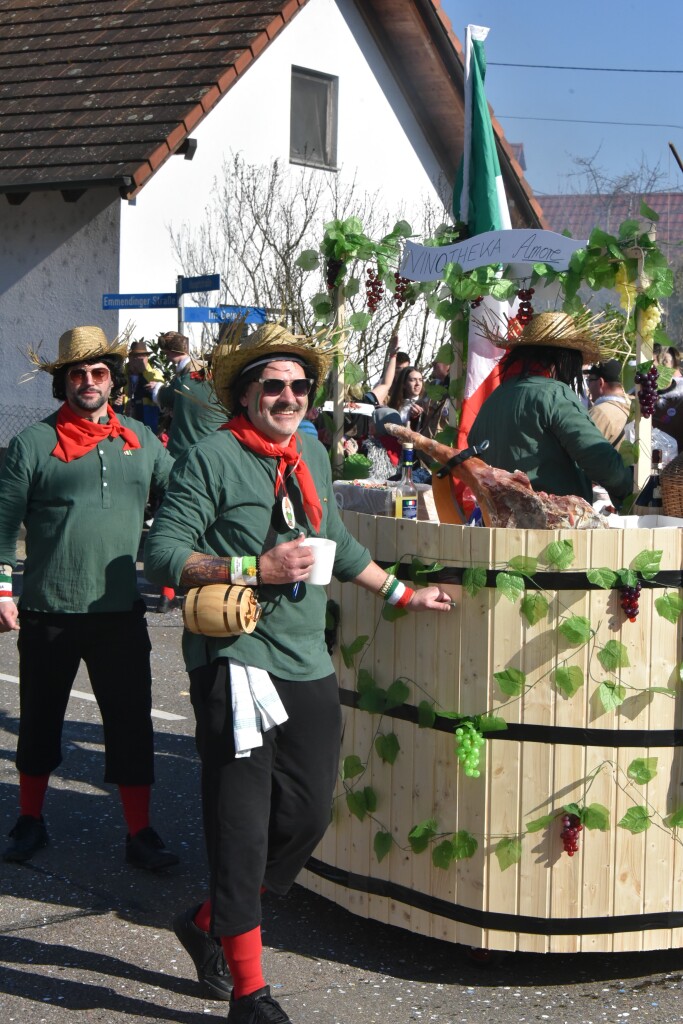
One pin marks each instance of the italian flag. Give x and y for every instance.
(479, 201)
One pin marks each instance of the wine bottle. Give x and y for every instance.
(650, 497)
(405, 506)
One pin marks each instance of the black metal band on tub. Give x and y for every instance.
(539, 581)
(561, 735)
(491, 919)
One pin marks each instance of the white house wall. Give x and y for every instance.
(56, 259)
(379, 141)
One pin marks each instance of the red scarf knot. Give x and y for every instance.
(76, 436)
(288, 454)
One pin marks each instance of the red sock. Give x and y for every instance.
(243, 954)
(203, 916)
(135, 800)
(32, 789)
(168, 592)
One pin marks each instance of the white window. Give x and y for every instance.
(313, 119)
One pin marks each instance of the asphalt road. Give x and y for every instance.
(85, 937)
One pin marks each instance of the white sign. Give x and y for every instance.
(516, 245)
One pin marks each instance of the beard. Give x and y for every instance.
(89, 403)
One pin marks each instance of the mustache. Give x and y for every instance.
(285, 407)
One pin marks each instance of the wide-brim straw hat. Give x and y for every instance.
(233, 354)
(588, 333)
(78, 344)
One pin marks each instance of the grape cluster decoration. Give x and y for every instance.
(332, 271)
(400, 285)
(525, 310)
(374, 289)
(469, 742)
(647, 391)
(571, 826)
(629, 601)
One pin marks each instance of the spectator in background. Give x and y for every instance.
(194, 413)
(394, 362)
(610, 405)
(138, 401)
(405, 395)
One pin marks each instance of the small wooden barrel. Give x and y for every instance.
(220, 610)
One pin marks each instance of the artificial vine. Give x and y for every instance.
(515, 582)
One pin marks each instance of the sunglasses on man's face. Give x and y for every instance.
(79, 374)
(273, 386)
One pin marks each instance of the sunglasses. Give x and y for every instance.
(273, 386)
(78, 375)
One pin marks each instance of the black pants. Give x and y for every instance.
(115, 648)
(263, 814)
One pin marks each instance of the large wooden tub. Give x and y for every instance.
(623, 890)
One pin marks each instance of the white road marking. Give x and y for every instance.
(88, 696)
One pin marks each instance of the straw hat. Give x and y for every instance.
(232, 355)
(79, 344)
(585, 332)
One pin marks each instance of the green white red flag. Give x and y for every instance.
(479, 201)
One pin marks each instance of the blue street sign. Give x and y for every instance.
(165, 300)
(223, 314)
(205, 283)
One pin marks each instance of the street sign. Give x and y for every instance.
(223, 314)
(165, 300)
(205, 283)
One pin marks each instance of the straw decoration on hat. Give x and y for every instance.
(596, 337)
(234, 354)
(78, 344)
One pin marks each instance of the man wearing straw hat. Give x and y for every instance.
(189, 396)
(239, 509)
(79, 480)
(535, 422)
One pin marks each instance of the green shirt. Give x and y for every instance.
(195, 409)
(538, 425)
(221, 501)
(83, 518)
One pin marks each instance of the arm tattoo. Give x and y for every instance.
(199, 569)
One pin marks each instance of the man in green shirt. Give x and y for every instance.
(79, 480)
(239, 508)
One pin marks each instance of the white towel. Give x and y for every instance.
(256, 706)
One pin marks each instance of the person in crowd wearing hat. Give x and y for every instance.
(535, 422)
(137, 400)
(610, 405)
(194, 413)
(241, 504)
(189, 396)
(78, 480)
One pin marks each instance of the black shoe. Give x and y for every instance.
(206, 953)
(257, 1008)
(28, 835)
(146, 850)
(165, 604)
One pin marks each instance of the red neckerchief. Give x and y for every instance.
(288, 455)
(77, 436)
(529, 371)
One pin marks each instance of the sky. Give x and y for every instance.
(632, 34)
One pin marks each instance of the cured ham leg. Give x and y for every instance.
(506, 499)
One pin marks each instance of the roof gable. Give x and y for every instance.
(96, 96)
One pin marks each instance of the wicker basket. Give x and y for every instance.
(672, 487)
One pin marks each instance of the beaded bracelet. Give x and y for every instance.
(244, 570)
(387, 585)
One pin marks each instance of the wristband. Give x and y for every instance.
(244, 570)
(5, 599)
(400, 595)
(5, 582)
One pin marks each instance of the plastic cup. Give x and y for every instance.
(323, 559)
